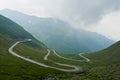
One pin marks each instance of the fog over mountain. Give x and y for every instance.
(59, 35)
(87, 14)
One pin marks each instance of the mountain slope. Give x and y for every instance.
(16, 32)
(59, 35)
(109, 55)
(103, 65)
(13, 68)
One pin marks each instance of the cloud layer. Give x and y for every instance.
(86, 12)
(76, 12)
(79, 13)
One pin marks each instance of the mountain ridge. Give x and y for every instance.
(59, 35)
(16, 32)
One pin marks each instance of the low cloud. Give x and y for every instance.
(79, 13)
(86, 12)
(76, 12)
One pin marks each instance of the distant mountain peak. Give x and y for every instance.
(59, 35)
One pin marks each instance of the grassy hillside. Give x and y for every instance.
(36, 54)
(12, 68)
(104, 64)
(109, 55)
(16, 32)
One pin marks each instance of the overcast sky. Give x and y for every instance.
(102, 16)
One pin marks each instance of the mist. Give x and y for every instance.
(86, 14)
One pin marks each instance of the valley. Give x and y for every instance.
(59, 35)
(23, 57)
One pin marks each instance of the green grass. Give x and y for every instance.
(71, 56)
(36, 54)
(13, 68)
(53, 57)
(104, 64)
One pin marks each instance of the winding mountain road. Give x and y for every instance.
(71, 59)
(10, 50)
(87, 59)
(46, 58)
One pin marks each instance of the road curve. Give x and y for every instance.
(46, 58)
(75, 67)
(10, 50)
(87, 59)
(65, 58)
